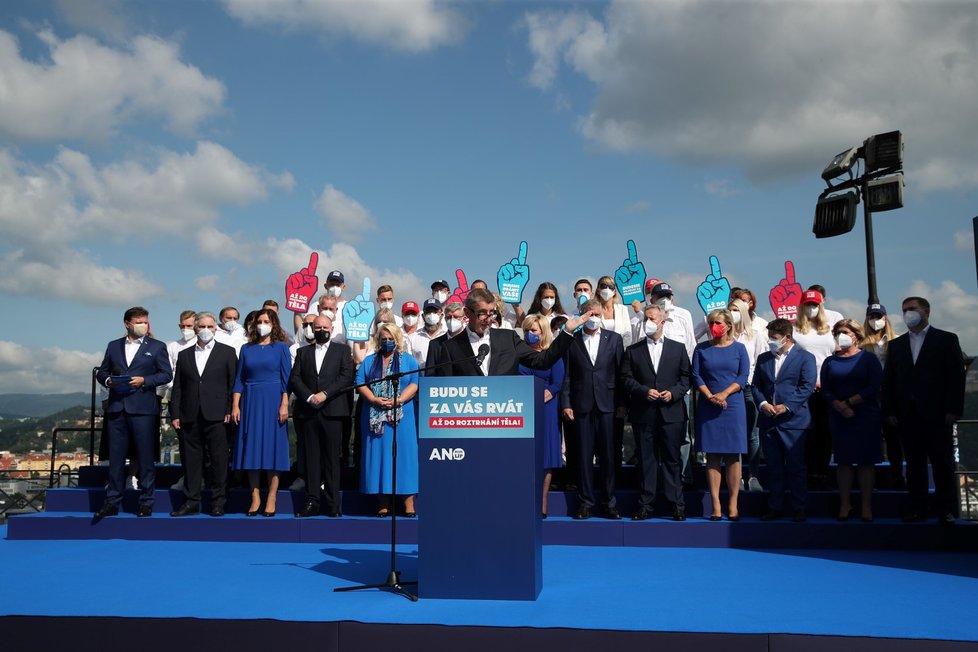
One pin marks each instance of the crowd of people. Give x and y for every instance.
(730, 387)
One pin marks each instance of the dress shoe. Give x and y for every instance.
(383, 513)
(612, 513)
(252, 513)
(642, 514)
(734, 517)
(771, 515)
(217, 511)
(799, 516)
(144, 511)
(946, 520)
(186, 509)
(309, 508)
(267, 513)
(679, 514)
(107, 509)
(410, 514)
(582, 513)
(716, 517)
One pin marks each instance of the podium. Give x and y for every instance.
(480, 475)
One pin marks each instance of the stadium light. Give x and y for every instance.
(841, 163)
(883, 151)
(885, 194)
(835, 215)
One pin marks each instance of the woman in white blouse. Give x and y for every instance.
(746, 334)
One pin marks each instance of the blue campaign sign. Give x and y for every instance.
(480, 534)
(513, 276)
(630, 277)
(713, 293)
(358, 315)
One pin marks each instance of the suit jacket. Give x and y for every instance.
(589, 386)
(151, 361)
(638, 377)
(793, 387)
(506, 353)
(335, 378)
(934, 386)
(208, 394)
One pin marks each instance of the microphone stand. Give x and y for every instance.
(393, 581)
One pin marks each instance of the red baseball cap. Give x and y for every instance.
(812, 296)
(410, 306)
(651, 282)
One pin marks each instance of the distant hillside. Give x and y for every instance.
(18, 406)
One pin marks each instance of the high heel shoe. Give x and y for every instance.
(844, 517)
(716, 517)
(254, 513)
(269, 512)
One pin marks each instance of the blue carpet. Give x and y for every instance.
(848, 593)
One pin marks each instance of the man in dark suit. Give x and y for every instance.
(784, 379)
(655, 375)
(590, 397)
(200, 408)
(132, 369)
(506, 350)
(923, 395)
(320, 380)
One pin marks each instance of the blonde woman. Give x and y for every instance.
(879, 333)
(813, 333)
(720, 369)
(379, 416)
(538, 336)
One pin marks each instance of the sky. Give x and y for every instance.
(191, 155)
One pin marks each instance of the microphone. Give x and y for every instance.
(481, 357)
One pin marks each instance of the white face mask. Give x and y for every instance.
(454, 325)
(651, 328)
(774, 345)
(327, 313)
(410, 320)
(593, 323)
(334, 291)
(230, 325)
(441, 295)
(877, 324)
(811, 311)
(140, 330)
(547, 303)
(912, 318)
(264, 330)
(307, 332)
(844, 340)
(205, 335)
(187, 334)
(585, 296)
(432, 318)
(735, 316)
(386, 305)
(606, 294)
(665, 303)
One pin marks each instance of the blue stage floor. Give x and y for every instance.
(849, 593)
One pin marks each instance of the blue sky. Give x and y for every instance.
(191, 154)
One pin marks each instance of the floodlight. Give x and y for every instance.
(835, 215)
(841, 164)
(885, 194)
(883, 151)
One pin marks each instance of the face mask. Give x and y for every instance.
(441, 295)
(327, 313)
(187, 334)
(774, 345)
(334, 291)
(811, 311)
(410, 320)
(321, 337)
(593, 323)
(718, 330)
(912, 318)
(664, 303)
(387, 347)
(583, 297)
(386, 305)
(547, 303)
(454, 325)
(606, 294)
(651, 328)
(307, 332)
(140, 330)
(877, 324)
(230, 325)
(432, 318)
(264, 330)
(532, 339)
(844, 340)
(205, 335)
(735, 315)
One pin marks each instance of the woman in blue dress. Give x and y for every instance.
(851, 380)
(720, 369)
(378, 417)
(539, 337)
(260, 408)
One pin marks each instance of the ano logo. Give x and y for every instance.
(447, 454)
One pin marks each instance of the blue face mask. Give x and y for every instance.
(532, 339)
(387, 347)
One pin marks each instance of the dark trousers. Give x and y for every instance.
(596, 430)
(818, 442)
(784, 451)
(659, 443)
(200, 438)
(894, 451)
(923, 440)
(572, 451)
(323, 437)
(143, 430)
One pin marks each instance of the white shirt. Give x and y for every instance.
(321, 355)
(202, 355)
(132, 345)
(821, 346)
(419, 341)
(234, 339)
(778, 363)
(173, 349)
(339, 334)
(917, 341)
(832, 316)
(476, 341)
(655, 351)
(621, 324)
(678, 327)
(294, 348)
(755, 346)
(591, 342)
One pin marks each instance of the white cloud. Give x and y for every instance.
(640, 206)
(29, 370)
(710, 83)
(722, 188)
(345, 216)
(206, 283)
(86, 90)
(964, 241)
(408, 25)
